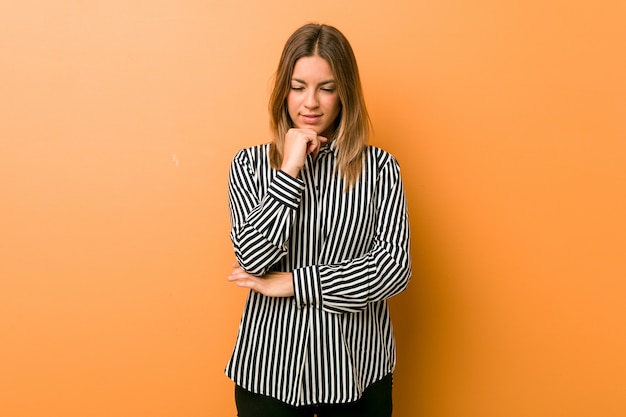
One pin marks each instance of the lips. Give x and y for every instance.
(311, 118)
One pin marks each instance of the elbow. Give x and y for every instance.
(257, 260)
(248, 257)
(406, 269)
(393, 279)
(402, 277)
(250, 265)
(407, 272)
(402, 274)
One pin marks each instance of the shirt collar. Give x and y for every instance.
(331, 147)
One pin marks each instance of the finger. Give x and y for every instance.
(238, 279)
(238, 273)
(248, 283)
(242, 283)
(315, 149)
(311, 147)
(315, 142)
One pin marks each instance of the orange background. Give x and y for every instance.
(118, 122)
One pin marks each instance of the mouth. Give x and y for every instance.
(311, 118)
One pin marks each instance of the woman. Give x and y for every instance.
(321, 236)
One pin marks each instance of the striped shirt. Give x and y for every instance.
(348, 252)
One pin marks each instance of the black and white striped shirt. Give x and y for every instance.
(348, 251)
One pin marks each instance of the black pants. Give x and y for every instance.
(375, 402)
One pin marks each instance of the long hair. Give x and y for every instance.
(353, 126)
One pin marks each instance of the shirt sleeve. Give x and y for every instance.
(381, 273)
(260, 223)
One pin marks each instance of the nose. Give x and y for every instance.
(311, 101)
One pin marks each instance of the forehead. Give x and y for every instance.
(312, 68)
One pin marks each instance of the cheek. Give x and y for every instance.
(291, 104)
(333, 105)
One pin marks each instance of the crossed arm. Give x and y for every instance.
(379, 274)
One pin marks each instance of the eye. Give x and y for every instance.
(297, 88)
(328, 89)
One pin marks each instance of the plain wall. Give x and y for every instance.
(118, 121)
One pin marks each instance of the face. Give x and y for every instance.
(313, 101)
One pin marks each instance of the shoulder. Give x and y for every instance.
(253, 152)
(254, 155)
(379, 158)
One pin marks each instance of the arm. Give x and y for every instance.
(382, 272)
(260, 224)
(272, 284)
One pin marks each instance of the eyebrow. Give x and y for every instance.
(304, 82)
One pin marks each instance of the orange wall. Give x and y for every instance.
(118, 120)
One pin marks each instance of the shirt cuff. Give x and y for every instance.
(286, 189)
(307, 287)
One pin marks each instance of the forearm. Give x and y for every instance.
(380, 273)
(259, 242)
(350, 286)
(259, 233)
(273, 284)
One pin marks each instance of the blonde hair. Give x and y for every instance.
(352, 127)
